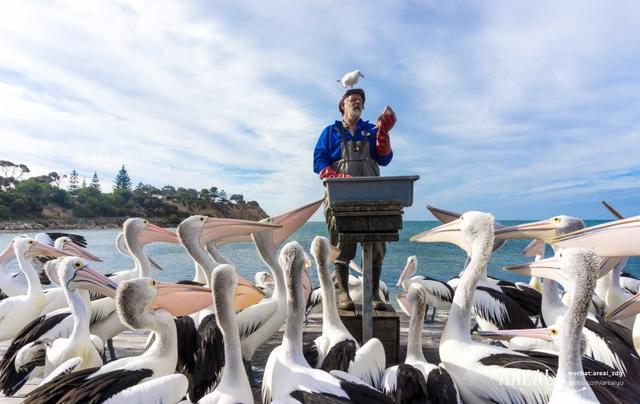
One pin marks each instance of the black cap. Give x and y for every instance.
(350, 91)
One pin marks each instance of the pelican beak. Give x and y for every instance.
(217, 228)
(446, 233)
(334, 252)
(506, 335)
(7, 253)
(442, 215)
(91, 280)
(403, 301)
(37, 249)
(291, 221)
(79, 251)
(543, 230)
(155, 264)
(181, 300)
(614, 239)
(307, 286)
(607, 264)
(153, 233)
(535, 248)
(625, 310)
(409, 270)
(246, 295)
(547, 268)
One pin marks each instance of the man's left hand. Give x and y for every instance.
(385, 123)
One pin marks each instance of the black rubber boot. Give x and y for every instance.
(376, 302)
(342, 279)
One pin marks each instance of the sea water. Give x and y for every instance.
(437, 260)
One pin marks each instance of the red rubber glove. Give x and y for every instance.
(386, 121)
(329, 172)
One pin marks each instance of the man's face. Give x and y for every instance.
(353, 106)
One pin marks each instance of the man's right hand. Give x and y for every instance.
(329, 172)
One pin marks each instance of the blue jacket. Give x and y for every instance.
(327, 149)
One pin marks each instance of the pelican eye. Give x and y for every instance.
(31, 241)
(553, 331)
(145, 222)
(154, 283)
(77, 265)
(202, 219)
(556, 219)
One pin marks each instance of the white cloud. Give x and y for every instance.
(503, 99)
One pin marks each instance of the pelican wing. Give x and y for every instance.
(165, 389)
(254, 317)
(368, 365)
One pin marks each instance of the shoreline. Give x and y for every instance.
(16, 225)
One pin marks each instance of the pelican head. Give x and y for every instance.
(417, 296)
(136, 298)
(30, 248)
(8, 253)
(74, 273)
(470, 228)
(201, 230)
(145, 232)
(322, 251)
(224, 281)
(67, 245)
(612, 239)
(409, 270)
(543, 230)
(291, 260)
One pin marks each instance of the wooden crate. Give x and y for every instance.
(386, 327)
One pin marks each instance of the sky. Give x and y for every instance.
(522, 109)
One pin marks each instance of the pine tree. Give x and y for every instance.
(122, 180)
(95, 181)
(73, 181)
(84, 183)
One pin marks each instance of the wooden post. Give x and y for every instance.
(367, 287)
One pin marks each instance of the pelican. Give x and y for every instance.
(265, 319)
(439, 293)
(288, 377)
(489, 373)
(336, 349)
(143, 304)
(418, 380)
(201, 360)
(234, 385)
(606, 342)
(18, 311)
(529, 299)
(139, 232)
(76, 279)
(11, 284)
(492, 308)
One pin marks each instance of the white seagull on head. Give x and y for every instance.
(350, 79)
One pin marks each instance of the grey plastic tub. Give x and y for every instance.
(372, 189)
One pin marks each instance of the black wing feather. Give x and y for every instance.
(310, 353)
(10, 379)
(442, 388)
(340, 356)
(209, 359)
(76, 238)
(411, 387)
(517, 317)
(77, 388)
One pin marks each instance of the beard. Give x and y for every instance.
(353, 112)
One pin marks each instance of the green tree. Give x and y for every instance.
(73, 180)
(122, 180)
(95, 181)
(84, 183)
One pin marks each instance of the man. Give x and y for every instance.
(353, 148)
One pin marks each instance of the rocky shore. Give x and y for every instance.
(76, 223)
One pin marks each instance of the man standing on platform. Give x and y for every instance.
(353, 148)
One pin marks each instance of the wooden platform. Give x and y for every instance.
(386, 327)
